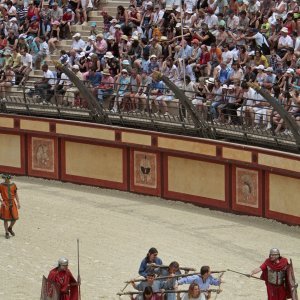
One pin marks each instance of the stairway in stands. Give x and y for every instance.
(93, 16)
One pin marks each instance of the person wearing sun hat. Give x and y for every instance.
(78, 43)
(122, 83)
(106, 86)
(10, 204)
(284, 42)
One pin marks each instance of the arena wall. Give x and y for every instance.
(219, 175)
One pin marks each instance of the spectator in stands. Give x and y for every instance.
(43, 88)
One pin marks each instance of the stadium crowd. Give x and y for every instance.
(209, 48)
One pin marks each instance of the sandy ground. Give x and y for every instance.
(116, 229)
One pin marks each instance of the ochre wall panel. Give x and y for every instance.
(93, 161)
(34, 125)
(196, 178)
(279, 162)
(192, 147)
(10, 150)
(135, 138)
(6, 122)
(95, 133)
(284, 195)
(242, 155)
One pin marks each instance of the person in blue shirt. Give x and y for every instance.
(156, 285)
(204, 280)
(151, 258)
(94, 77)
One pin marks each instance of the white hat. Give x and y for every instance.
(189, 11)
(153, 56)
(163, 38)
(178, 25)
(76, 35)
(124, 37)
(126, 62)
(231, 87)
(134, 38)
(110, 37)
(109, 55)
(178, 9)
(224, 86)
(284, 29)
(260, 67)
(92, 38)
(75, 67)
(81, 54)
(114, 21)
(124, 70)
(13, 19)
(169, 7)
(210, 80)
(269, 69)
(149, 3)
(117, 26)
(290, 71)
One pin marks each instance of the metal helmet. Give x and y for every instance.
(63, 261)
(274, 251)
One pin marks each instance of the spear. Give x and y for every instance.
(165, 266)
(219, 289)
(78, 276)
(167, 292)
(168, 277)
(244, 274)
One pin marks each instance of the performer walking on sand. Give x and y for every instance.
(64, 280)
(9, 204)
(274, 273)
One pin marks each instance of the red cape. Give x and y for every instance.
(66, 282)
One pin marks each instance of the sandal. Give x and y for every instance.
(11, 231)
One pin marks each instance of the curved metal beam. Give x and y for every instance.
(94, 105)
(200, 125)
(291, 123)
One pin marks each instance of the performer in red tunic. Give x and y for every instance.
(9, 204)
(275, 276)
(65, 281)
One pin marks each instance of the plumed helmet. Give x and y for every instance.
(274, 251)
(63, 261)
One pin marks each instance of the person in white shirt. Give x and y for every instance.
(233, 20)
(211, 19)
(284, 42)
(245, 110)
(227, 56)
(44, 86)
(78, 44)
(42, 54)
(23, 71)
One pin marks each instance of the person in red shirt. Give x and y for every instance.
(274, 273)
(64, 280)
(204, 59)
(65, 24)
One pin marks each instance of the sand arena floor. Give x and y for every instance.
(116, 229)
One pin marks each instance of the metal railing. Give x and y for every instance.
(150, 108)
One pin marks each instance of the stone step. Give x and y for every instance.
(97, 19)
(67, 42)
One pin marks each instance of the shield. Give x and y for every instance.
(291, 284)
(49, 290)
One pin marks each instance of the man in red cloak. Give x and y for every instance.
(64, 280)
(275, 276)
